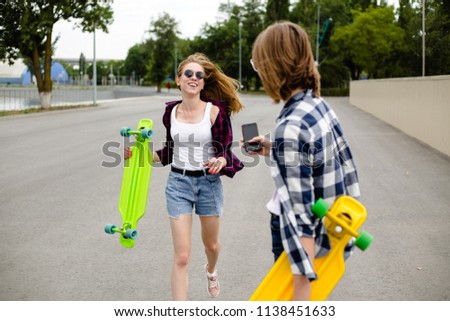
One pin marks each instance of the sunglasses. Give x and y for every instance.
(199, 74)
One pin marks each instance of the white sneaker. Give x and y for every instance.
(213, 286)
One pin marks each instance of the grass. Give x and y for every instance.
(40, 110)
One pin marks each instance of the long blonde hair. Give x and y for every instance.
(283, 57)
(218, 86)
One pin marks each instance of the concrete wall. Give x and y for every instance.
(420, 107)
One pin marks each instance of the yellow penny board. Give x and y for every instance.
(341, 221)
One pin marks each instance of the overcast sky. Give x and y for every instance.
(131, 21)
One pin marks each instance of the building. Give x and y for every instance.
(19, 74)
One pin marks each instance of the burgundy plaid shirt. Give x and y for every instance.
(222, 136)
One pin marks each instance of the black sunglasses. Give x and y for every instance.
(199, 74)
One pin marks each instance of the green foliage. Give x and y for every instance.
(304, 13)
(361, 37)
(437, 30)
(334, 74)
(102, 70)
(437, 37)
(82, 64)
(221, 40)
(221, 44)
(276, 10)
(27, 26)
(370, 41)
(137, 59)
(164, 32)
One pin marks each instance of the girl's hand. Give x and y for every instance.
(215, 165)
(265, 146)
(127, 153)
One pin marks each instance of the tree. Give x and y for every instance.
(164, 32)
(304, 13)
(220, 41)
(27, 26)
(137, 60)
(101, 69)
(277, 10)
(370, 41)
(362, 5)
(437, 37)
(252, 15)
(410, 21)
(82, 64)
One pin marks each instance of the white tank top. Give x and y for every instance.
(192, 142)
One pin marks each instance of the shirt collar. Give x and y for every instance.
(292, 101)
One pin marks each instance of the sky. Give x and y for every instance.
(131, 22)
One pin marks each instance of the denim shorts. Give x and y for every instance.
(184, 193)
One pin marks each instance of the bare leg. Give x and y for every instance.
(302, 286)
(181, 236)
(210, 237)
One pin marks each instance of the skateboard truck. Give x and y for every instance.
(140, 134)
(125, 230)
(341, 222)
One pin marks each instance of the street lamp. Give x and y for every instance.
(94, 73)
(240, 55)
(423, 38)
(324, 30)
(175, 69)
(318, 34)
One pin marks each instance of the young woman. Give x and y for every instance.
(311, 157)
(198, 147)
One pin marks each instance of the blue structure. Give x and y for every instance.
(11, 81)
(58, 74)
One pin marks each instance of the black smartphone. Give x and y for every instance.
(250, 131)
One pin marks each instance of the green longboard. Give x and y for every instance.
(135, 183)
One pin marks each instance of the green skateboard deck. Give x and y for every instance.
(135, 183)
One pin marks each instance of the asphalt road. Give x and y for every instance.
(58, 190)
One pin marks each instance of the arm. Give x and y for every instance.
(294, 179)
(216, 164)
(222, 136)
(165, 154)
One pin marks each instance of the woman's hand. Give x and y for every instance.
(215, 165)
(127, 153)
(266, 145)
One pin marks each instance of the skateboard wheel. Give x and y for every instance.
(363, 240)
(131, 234)
(320, 208)
(124, 131)
(109, 228)
(147, 133)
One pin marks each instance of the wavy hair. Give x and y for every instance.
(283, 57)
(218, 86)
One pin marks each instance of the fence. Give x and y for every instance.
(13, 98)
(20, 98)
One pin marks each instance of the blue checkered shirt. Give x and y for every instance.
(311, 160)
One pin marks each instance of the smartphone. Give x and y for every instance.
(250, 131)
